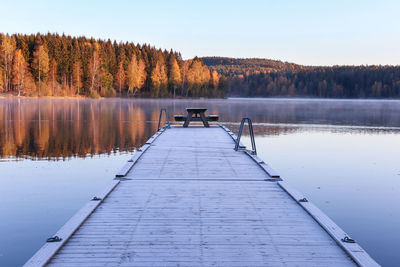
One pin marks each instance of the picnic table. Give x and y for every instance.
(196, 114)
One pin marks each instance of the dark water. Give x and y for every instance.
(56, 154)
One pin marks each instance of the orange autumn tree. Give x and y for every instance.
(136, 74)
(174, 77)
(65, 65)
(19, 71)
(40, 64)
(120, 80)
(7, 47)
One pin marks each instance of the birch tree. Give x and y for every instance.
(159, 80)
(136, 74)
(40, 64)
(94, 72)
(175, 78)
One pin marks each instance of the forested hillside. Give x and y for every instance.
(231, 67)
(59, 65)
(269, 78)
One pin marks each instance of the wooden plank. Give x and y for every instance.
(43, 255)
(221, 237)
(360, 256)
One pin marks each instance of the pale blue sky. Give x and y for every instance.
(306, 32)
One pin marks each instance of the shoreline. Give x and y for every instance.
(10, 96)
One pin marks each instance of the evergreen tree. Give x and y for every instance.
(107, 89)
(77, 76)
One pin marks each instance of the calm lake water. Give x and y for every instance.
(56, 154)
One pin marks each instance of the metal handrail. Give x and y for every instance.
(166, 118)
(253, 142)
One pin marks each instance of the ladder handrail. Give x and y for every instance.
(253, 142)
(163, 110)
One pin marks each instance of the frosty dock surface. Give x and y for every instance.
(188, 199)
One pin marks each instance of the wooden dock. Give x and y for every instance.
(186, 198)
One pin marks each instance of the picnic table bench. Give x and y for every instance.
(196, 114)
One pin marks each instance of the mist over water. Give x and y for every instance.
(58, 128)
(57, 153)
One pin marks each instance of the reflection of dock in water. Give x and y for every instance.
(187, 198)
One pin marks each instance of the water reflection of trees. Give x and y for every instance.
(62, 128)
(65, 128)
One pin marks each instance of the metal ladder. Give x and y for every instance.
(163, 110)
(253, 142)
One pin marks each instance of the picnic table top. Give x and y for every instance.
(196, 110)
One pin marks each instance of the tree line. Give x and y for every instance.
(270, 78)
(60, 65)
